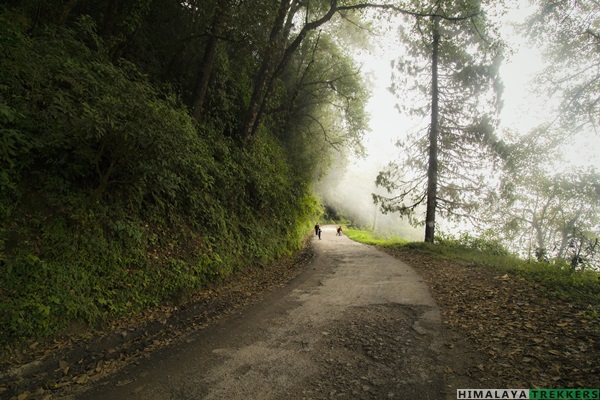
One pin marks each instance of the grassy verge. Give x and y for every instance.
(555, 281)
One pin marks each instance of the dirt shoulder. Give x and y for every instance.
(522, 338)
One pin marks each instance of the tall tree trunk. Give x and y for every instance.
(110, 19)
(265, 70)
(299, 86)
(567, 234)
(540, 250)
(287, 56)
(208, 62)
(432, 172)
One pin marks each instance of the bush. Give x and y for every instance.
(113, 198)
(466, 241)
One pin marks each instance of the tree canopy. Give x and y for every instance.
(461, 166)
(569, 33)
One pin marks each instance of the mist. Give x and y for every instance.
(347, 189)
(349, 186)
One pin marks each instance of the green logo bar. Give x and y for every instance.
(564, 394)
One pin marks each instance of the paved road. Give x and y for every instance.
(356, 324)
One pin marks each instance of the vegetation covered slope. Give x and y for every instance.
(120, 189)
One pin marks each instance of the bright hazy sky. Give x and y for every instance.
(521, 111)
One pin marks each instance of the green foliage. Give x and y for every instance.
(567, 33)
(466, 241)
(554, 216)
(370, 237)
(563, 283)
(113, 198)
(332, 215)
(322, 113)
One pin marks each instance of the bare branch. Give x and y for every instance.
(324, 131)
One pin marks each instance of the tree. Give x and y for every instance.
(452, 66)
(280, 48)
(568, 31)
(284, 41)
(541, 214)
(322, 117)
(549, 217)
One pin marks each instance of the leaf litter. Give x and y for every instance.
(522, 338)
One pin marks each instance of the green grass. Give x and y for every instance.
(556, 281)
(369, 237)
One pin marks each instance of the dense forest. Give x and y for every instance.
(148, 147)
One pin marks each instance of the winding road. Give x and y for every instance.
(356, 324)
